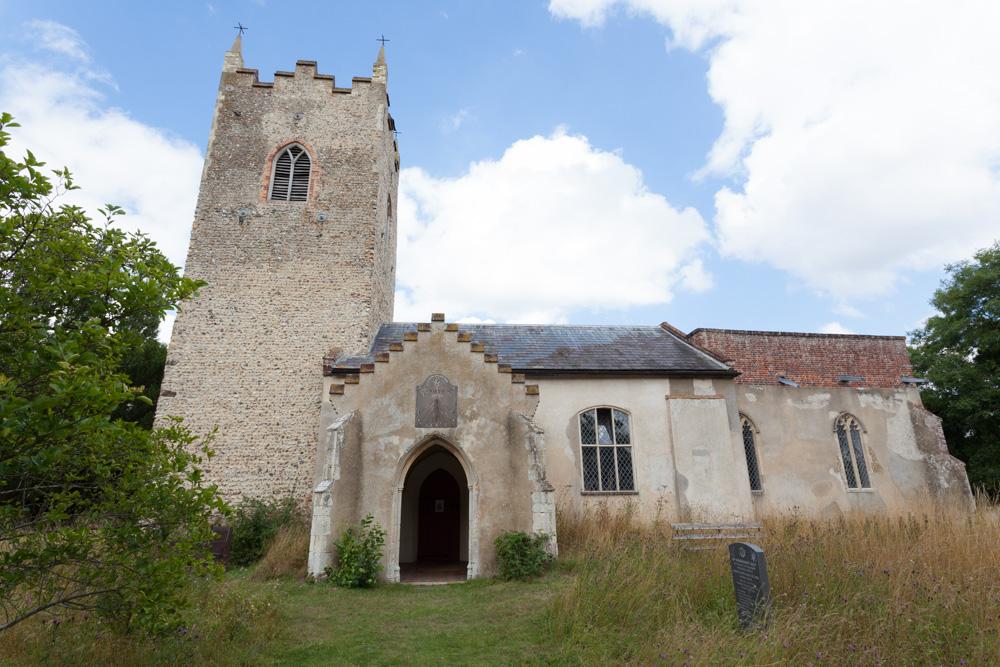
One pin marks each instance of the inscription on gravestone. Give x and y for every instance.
(437, 403)
(753, 591)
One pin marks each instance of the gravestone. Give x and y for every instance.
(753, 590)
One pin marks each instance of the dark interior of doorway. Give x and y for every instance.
(439, 529)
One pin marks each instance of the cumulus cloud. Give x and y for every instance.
(66, 121)
(834, 328)
(861, 137)
(553, 226)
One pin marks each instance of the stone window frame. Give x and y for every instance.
(274, 166)
(752, 448)
(848, 435)
(616, 446)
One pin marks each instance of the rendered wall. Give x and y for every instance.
(688, 463)
(800, 461)
(283, 286)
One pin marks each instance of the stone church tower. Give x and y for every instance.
(295, 236)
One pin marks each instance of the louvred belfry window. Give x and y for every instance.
(290, 180)
(606, 451)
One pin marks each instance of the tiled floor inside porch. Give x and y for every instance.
(433, 573)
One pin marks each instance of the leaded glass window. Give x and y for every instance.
(290, 180)
(750, 449)
(606, 450)
(852, 453)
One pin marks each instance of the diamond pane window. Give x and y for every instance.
(852, 453)
(750, 449)
(591, 475)
(290, 180)
(608, 466)
(588, 433)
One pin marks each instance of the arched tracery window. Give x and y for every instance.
(290, 178)
(606, 450)
(750, 449)
(852, 452)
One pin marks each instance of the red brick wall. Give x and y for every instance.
(811, 360)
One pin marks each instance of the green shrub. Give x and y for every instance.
(255, 525)
(359, 551)
(520, 556)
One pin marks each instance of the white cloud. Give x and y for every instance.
(847, 310)
(553, 226)
(518, 52)
(834, 328)
(59, 38)
(66, 121)
(863, 135)
(167, 327)
(452, 123)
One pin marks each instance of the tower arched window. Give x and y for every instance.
(606, 450)
(290, 175)
(750, 449)
(852, 452)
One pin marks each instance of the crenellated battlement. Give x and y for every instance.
(303, 68)
(233, 64)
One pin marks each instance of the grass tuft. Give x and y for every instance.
(288, 554)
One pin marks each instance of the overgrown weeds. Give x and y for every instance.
(256, 524)
(287, 555)
(232, 622)
(857, 589)
(520, 556)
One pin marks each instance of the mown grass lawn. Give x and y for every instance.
(481, 622)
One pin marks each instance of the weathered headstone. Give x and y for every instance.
(753, 590)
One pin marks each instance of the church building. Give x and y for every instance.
(450, 433)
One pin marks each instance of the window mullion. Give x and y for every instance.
(614, 451)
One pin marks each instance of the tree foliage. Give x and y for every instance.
(959, 352)
(95, 512)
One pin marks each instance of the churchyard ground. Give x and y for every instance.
(916, 589)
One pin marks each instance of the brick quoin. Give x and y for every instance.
(811, 360)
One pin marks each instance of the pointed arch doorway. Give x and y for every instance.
(434, 519)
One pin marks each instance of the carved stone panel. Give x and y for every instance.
(437, 403)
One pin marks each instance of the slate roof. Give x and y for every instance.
(568, 349)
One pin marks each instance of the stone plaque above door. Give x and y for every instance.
(437, 403)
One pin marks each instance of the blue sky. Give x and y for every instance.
(802, 166)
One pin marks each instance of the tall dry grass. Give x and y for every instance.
(288, 554)
(918, 588)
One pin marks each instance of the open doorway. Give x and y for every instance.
(434, 519)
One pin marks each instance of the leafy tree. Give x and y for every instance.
(959, 352)
(95, 513)
(143, 364)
